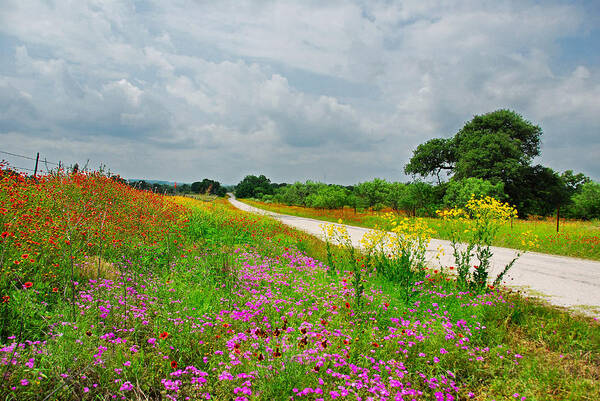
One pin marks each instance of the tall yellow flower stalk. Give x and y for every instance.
(473, 229)
(338, 234)
(399, 254)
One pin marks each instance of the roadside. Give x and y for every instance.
(562, 281)
(576, 239)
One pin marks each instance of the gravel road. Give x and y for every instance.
(562, 281)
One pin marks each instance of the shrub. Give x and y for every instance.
(586, 203)
(459, 192)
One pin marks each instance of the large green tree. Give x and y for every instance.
(496, 147)
(491, 146)
(207, 186)
(254, 187)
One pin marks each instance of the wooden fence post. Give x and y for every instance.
(37, 159)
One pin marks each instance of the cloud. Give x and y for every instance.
(295, 90)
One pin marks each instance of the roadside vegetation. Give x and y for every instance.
(109, 292)
(577, 238)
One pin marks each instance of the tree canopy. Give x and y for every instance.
(431, 157)
(207, 186)
(497, 147)
(493, 146)
(254, 187)
(459, 192)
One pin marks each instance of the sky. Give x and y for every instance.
(334, 91)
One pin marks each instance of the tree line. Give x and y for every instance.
(492, 155)
(205, 187)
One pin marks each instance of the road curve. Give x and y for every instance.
(562, 281)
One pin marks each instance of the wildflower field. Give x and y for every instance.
(575, 238)
(113, 293)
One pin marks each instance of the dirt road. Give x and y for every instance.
(562, 281)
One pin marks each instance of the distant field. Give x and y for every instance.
(576, 238)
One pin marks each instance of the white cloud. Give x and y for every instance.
(216, 85)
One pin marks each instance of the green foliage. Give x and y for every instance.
(496, 147)
(459, 192)
(254, 187)
(473, 230)
(374, 193)
(327, 197)
(431, 157)
(538, 190)
(155, 187)
(420, 198)
(586, 203)
(574, 182)
(417, 198)
(399, 255)
(207, 186)
(397, 193)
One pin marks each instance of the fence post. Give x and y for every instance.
(37, 159)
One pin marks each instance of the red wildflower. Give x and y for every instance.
(4, 234)
(25, 256)
(174, 364)
(163, 335)
(5, 299)
(28, 284)
(54, 289)
(375, 345)
(347, 305)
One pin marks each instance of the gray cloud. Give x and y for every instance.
(295, 90)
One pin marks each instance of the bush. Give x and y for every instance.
(586, 203)
(459, 192)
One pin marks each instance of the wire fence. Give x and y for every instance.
(42, 164)
(39, 163)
